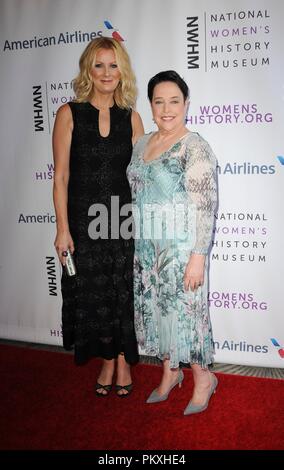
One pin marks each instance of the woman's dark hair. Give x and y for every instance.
(167, 76)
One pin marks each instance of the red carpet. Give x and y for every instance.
(48, 403)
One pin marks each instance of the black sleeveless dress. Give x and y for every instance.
(97, 310)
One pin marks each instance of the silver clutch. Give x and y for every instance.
(70, 264)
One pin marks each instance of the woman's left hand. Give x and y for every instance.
(194, 272)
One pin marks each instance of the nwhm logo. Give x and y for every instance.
(38, 108)
(192, 36)
(51, 275)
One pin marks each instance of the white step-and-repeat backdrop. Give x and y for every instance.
(231, 55)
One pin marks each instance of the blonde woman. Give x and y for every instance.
(93, 138)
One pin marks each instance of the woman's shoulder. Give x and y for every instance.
(68, 107)
(78, 104)
(64, 113)
(143, 140)
(196, 140)
(197, 145)
(141, 143)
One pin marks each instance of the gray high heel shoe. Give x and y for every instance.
(192, 409)
(155, 397)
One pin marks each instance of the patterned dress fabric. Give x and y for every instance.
(97, 310)
(174, 197)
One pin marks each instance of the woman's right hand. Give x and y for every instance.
(63, 242)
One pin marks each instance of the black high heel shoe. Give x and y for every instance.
(106, 388)
(128, 389)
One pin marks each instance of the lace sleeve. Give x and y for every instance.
(202, 188)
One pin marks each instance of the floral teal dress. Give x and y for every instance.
(174, 198)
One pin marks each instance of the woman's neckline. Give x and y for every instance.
(166, 151)
(110, 109)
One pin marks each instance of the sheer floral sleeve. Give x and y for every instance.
(201, 180)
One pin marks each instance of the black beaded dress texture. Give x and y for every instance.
(97, 310)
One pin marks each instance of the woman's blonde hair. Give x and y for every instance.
(126, 92)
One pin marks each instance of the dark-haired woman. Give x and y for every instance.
(172, 175)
